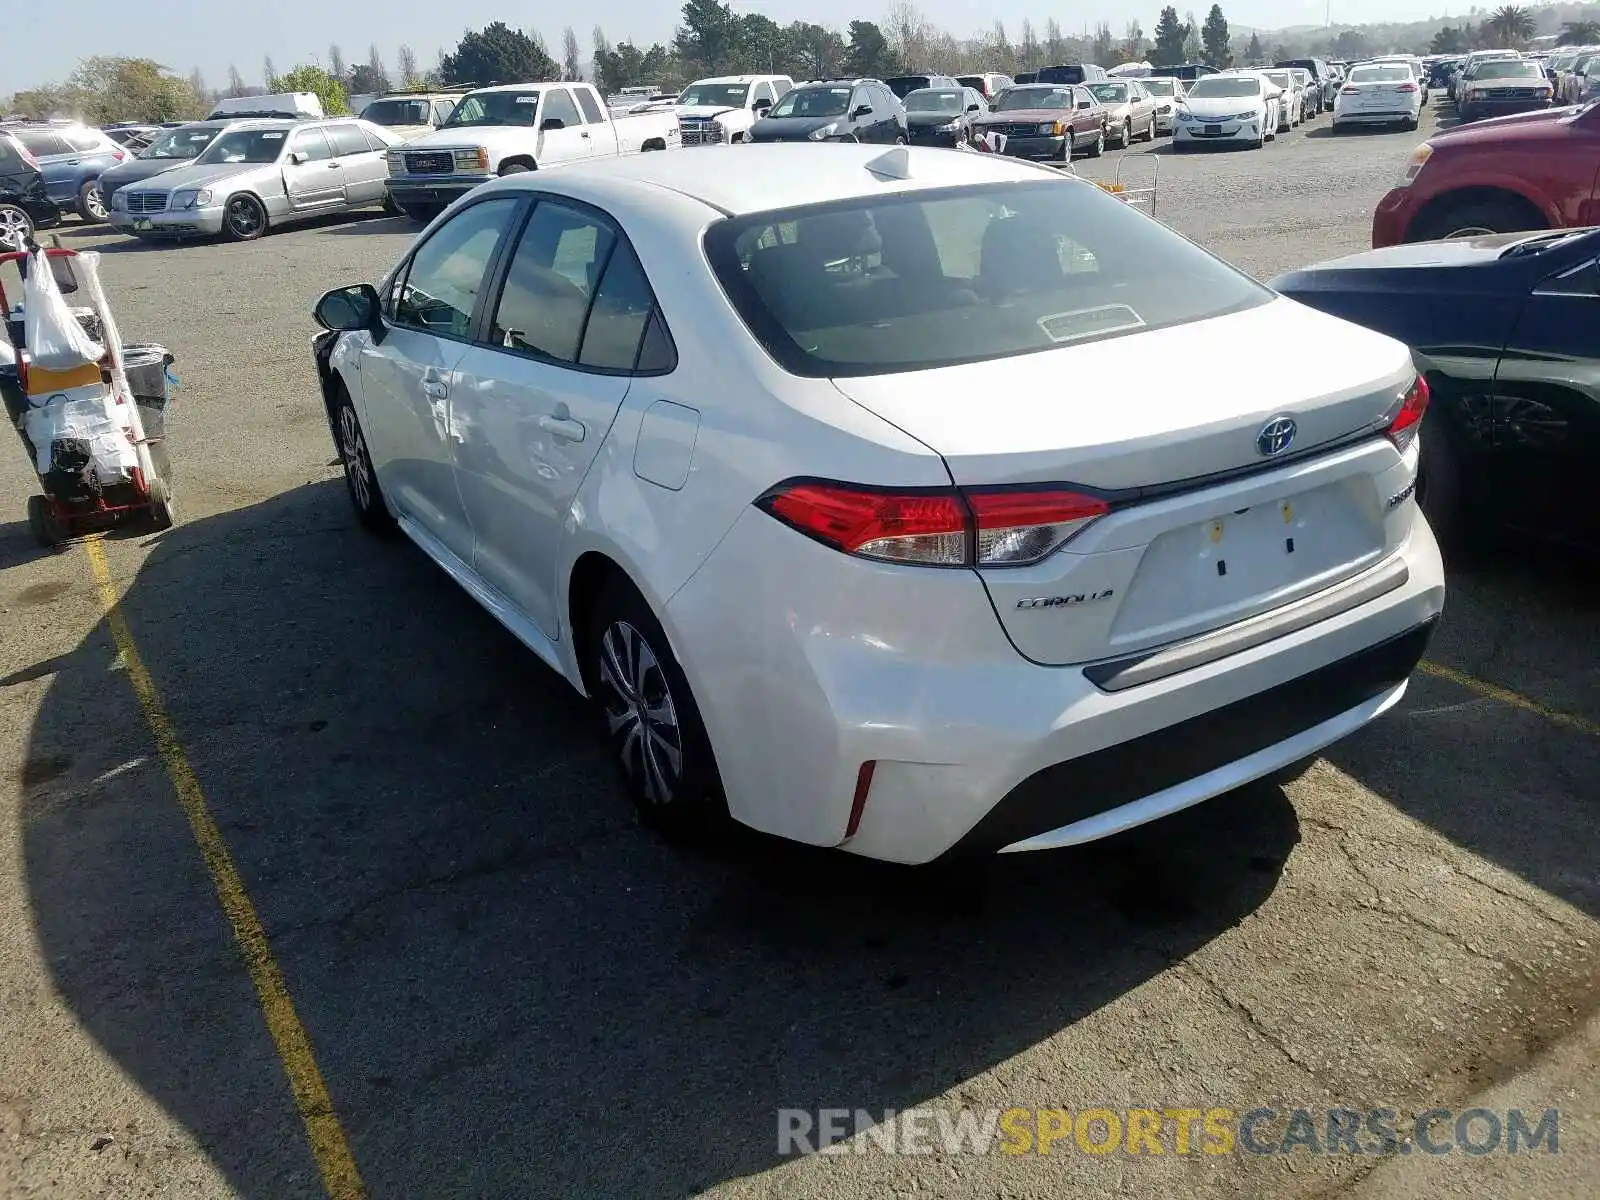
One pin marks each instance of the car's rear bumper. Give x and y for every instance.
(1374, 116)
(816, 664)
(1392, 217)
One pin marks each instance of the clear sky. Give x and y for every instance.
(210, 34)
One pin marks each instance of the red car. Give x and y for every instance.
(1536, 170)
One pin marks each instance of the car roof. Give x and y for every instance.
(520, 87)
(736, 79)
(775, 175)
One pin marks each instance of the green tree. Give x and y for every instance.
(1579, 33)
(571, 56)
(1169, 37)
(498, 54)
(105, 89)
(761, 45)
(708, 39)
(1451, 41)
(1214, 36)
(308, 78)
(1512, 24)
(1254, 54)
(869, 52)
(1352, 45)
(368, 78)
(814, 50)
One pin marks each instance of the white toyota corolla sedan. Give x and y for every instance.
(799, 461)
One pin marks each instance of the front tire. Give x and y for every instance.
(1476, 219)
(360, 477)
(649, 716)
(1098, 146)
(92, 203)
(16, 228)
(244, 219)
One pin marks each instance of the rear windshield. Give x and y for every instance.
(902, 85)
(1509, 70)
(1380, 75)
(1062, 75)
(1161, 87)
(1225, 85)
(1033, 97)
(877, 285)
(397, 112)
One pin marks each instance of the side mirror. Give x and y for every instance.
(861, 110)
(973, 108)
(348, 308)
(1085, 104)
(549, 123)
(761, 105)
(297, 157)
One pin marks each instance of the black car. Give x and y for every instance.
(942, 116)
(903, 85)
(1326, 80)
(25, 203)
(841, 110)
(1502, 328)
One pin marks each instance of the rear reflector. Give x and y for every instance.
(1402, 430)
(940, 527)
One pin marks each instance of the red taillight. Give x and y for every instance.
(1406, 87)
(118, 155)
(1403, 429)
(992, 527)
(1350, 91)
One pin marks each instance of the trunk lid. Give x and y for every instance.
(1206, 528)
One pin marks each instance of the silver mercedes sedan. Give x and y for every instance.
(259, 175)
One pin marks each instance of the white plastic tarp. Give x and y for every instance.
(55, 339)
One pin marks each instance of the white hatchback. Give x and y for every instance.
(805, 470)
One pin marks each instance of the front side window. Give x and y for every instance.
(550, 283)
(558, 106)
(447, 271)
(396, 112)
(246, 146)
(918, 280)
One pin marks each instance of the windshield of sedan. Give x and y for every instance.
(1282, 78)
(1108, 93)
(812, 102)
(912, 280)
(246, 146)
(494, 108)
(1220, 86)
(180, 143)
(1508, 70)
(929, 100)
(1034, 97)
(715, 95)
(1161, 87)
(397, 112)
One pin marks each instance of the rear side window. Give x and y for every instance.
(591, 108)
(348, 139)
(312, 144)
(900, 283)
(42, 144)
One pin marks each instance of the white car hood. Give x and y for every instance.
(490, 136)
(1212, 107)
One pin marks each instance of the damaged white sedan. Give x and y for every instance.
(819, 474)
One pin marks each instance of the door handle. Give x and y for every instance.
(562, 427)
(333, 166)
(434, 390)
(584, 133)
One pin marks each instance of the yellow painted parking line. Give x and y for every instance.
(1508, 697)
(328, 1143)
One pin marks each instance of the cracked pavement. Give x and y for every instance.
(513, 989)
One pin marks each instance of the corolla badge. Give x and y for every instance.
(1276, 436)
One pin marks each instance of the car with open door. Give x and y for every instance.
(1502, 328)
(704, 441)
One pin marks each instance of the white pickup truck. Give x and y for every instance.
(723, 109)
(516, 127)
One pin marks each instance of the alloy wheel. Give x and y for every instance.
(357, 466)
(244, 218)
(94, 200)
(15, 228)
(641, 717)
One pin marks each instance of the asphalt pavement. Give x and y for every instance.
(312, 880)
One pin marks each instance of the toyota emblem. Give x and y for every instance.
(1276, 436)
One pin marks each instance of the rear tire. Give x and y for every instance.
(649, 717)
(1476, 218)
(91, 203)
(16, 228)
(1098, 146)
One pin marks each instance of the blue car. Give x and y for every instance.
(72, 159)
